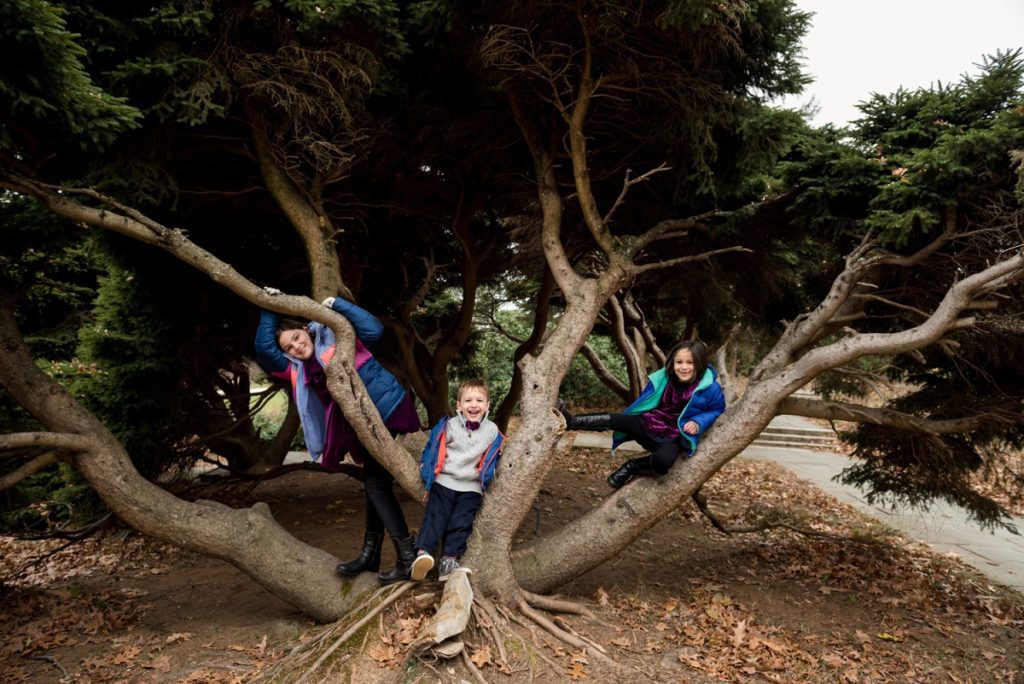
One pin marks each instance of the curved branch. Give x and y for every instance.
(634, 363)
(578, 148)
(350, 393)
(855, 413)
(807, 327)
(945, 318)
(28, 469)
(636, 317)
(668, 263)
(605, 375)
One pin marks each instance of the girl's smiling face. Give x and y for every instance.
(473, 403)
(683, 365)
(296, 343)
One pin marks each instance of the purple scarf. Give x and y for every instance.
(662, 422)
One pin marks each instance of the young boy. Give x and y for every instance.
(458, 463)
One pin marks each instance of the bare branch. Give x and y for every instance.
(28, 469)
(628, 183)
(603, 374)
(806, 328)
(634, 364)
(636, 317)
(704, 256)
(766, 525)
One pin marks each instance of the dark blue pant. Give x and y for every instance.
(664, 452)
(449, 516)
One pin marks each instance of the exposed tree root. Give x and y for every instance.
(479, 641)
(555, 667)
(556, 605)
(596, 650)
(297, 657)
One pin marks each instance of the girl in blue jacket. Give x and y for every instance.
(298, 352)
(679, 404)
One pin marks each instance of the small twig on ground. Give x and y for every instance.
(56, 664)
(765, 525)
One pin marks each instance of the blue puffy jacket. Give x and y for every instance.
(703, 408)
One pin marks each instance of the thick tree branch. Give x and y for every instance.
(578, 149)
(541, 312)
(836, 410)
(54, 440)
(250, 539)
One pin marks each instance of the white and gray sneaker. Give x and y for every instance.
(447, 566)
(422, 565)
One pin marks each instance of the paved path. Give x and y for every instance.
(999, 555)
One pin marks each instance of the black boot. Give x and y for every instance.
(628, 470)
(368, 559)
(590, 421)
(405, 554)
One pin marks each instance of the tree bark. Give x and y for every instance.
(310, 222)
(541, 311)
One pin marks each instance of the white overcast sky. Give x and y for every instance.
(858, 47)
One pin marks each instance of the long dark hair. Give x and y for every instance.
(699, 352)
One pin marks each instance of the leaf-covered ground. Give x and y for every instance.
(684, 603)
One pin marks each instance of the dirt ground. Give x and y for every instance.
(683, 603)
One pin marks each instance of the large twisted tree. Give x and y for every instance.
(643, 136)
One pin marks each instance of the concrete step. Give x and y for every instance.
(797, 437)
(794, 445)
(799, 431)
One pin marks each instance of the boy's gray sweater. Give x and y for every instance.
(463, 450)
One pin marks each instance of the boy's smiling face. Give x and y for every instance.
(473, 403)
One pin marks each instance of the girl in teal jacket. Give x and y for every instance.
(679, 404)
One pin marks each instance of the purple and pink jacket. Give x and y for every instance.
(321, 420)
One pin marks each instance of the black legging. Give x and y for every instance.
(382, 509)
(664, 452)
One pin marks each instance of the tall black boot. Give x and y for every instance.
(628, 470)
(587, 421)
(405, 554)
(368, 559)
